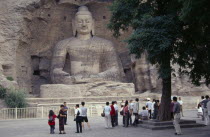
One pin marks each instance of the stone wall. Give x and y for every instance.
(29, 29)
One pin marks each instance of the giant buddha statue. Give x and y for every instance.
(85, 65)
(90, 58)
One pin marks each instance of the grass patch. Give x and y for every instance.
(10, 79)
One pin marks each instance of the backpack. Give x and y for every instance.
(50, 119)
(78, 113)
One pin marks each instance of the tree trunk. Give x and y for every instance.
(164, 112)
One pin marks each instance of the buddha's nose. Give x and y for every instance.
(83, 24)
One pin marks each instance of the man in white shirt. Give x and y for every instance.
(144, 114)
(181, 106)
(116, 113)
(84, 115)
(136, 111)
(149, 107)
(78, 118)
(206, 116)
(130, 108)
(107, 110)
(202, 99)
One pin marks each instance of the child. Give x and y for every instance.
(51, 121)
(200, 111)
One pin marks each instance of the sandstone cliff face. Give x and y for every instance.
(29, 29)
(146, 79)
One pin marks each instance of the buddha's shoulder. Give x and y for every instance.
(102, 41)
(65, 42)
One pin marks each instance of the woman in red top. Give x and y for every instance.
(112, 113)
(51, 121)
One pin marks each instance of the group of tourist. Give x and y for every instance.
(80, 116)
(204, 109)
(128, 110)
(149, 111)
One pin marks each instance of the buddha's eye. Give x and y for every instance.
(79, 21)
(87, 21)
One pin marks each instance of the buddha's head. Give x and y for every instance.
(83, 23)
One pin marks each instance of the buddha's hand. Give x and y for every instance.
(60, 72)
(61, 77)
(69, 80)
(96, 77)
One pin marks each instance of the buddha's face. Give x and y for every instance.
(84, 24)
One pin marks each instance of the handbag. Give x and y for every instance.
(103, 114)
(121, 112)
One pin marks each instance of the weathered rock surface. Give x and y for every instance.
(102, 88)
(5, 83)
(29, 29)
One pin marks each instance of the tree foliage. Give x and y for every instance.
(169, 32)
(15, 98)
(195, 15)
(174, 29)
(3, 92)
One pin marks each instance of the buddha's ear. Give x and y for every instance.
(93, 27)
(74, 27)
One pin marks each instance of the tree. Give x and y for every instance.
(195, 15)
(159, 32)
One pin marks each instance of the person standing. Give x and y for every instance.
(65, 112)
(51, 121)
(206, 117)
(61, 117)
(177, 116)
(130, 108)
(200, 111)
(171, 109)
(202, 99)
(153, 103)
(149, 107)
(208, 109)
(112, 113)
(136, 111)
(156, 108)
(84, 115)
(78, 119)
(122, 114)
(116, 113)
(107, 110)
(126, 114)
(181, 106)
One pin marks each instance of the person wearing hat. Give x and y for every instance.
(149, 107)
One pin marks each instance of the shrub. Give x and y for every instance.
(3, 92)
(10, 78)
(15, 98)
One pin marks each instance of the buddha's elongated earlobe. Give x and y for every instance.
(93, 27)
(74, 27)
